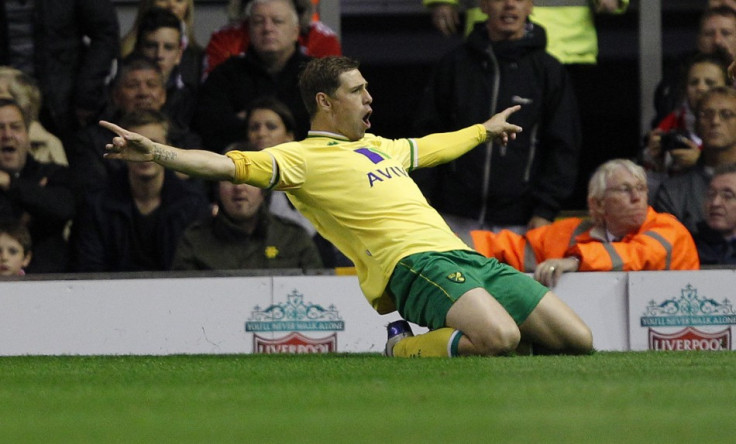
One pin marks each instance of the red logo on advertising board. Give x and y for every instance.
(295, 343)
(690, 339)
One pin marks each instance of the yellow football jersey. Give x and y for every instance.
(359, 196)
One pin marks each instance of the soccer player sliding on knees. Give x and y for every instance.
(355, 187)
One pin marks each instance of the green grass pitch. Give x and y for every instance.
(648, 397)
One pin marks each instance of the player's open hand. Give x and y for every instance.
(499, 129)
(127, 145)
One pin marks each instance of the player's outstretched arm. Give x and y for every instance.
(498, 129)
(134, 147)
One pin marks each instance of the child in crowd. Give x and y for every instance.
(15, 248)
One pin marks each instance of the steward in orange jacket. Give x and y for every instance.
(660, 243)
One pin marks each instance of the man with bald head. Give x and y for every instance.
(269, 67)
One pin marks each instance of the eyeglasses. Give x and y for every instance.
(723, 114)
(628, 189)
(726, 196)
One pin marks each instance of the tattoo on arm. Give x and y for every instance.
(159, 153)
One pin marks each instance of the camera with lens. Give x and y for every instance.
(673, 140)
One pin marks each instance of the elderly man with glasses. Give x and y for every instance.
(622, 233)
(716, 237)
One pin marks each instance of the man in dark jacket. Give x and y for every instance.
(138, 86)
(716, 236)
(38, 194)
(270, 67)
(47, 42)
(503, 63)
(245, 234)
(135, 222)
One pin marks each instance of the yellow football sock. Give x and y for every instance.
(436, 343)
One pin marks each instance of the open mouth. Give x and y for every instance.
(367, 119)
(8, 149)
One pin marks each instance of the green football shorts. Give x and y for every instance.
(425, 285)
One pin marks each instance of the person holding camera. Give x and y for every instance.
(673, 146)
(683, 195)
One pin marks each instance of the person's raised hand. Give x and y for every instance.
(499, 130)
(127, 145)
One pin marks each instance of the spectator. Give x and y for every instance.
(570, 28)
(136, 221)
(716, 236)
(682, 145)
(45, 147)
(245, 234)
(38, 194)
(716, 34)
(270, 123)
(315, 38)
(138, 86)
(15, 248)
(572, 39)
(622, 234)
(160, 39)
(192, 54)
(355, 187)
(683, 195)
(47, 42)
(503, 63)
(270, 67)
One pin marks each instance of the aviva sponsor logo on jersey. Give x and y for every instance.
(456, 277)
(380, 174)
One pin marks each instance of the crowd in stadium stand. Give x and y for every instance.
(65, 208)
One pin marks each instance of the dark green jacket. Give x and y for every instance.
(217, 244)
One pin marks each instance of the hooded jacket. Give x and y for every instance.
(535, 172)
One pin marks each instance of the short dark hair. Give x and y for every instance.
(722, 91)
(155, 19)
(143, 117)
(275, 105)
(718, 11)
(6, 101)
(18, 231)
(135, 62)
(728, 168)
(323, 75)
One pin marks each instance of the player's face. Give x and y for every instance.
(720, 204)
(164, 46)
(701, 78)
(177, 7)
(140, 89)
(506, 18)
(12, 257)
(273, 27)
(624, 203)
(718, 32)
(351, 105)
(265, 128)
(717, 122)
(145, 171)
(14, 140)
(240, 201)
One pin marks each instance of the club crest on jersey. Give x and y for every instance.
(456, 277)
